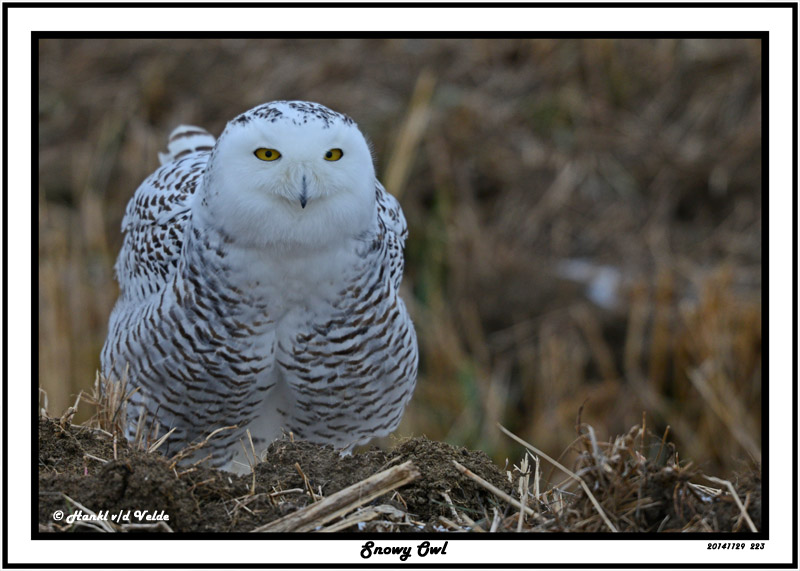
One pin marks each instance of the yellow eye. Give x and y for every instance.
(333, 155)
(267, 154)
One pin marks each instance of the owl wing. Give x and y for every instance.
(353, 368)
(156, 216)
(192, 365)
(390, 213)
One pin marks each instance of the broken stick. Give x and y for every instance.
(344, 501)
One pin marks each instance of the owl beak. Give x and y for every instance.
(304, 194)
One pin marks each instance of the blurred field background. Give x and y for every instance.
(585, 217)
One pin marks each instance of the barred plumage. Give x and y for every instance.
(263, 292)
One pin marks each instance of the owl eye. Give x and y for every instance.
(267, 154)
(333, 155)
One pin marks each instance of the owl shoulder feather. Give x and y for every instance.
(390, 213)
(156, 215)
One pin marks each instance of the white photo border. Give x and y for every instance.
(22, 21)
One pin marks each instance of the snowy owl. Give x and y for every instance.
(259, 281)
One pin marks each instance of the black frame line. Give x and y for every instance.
(763, 533)
(173, 35)
(400, 5)
(760, 536)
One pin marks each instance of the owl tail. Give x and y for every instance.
(186, 139)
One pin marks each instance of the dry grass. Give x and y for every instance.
(585, 218)
(631, 483)
(622, 485)
(616, 487)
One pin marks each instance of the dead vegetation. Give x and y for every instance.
(622, 485)
(585, 234)
(419, 485)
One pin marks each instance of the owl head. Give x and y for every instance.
(290, 173)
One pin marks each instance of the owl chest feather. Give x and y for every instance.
(298, 288)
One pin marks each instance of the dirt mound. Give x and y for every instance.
(91, 469)
(85, 472)
(435, 461)
(94, 472)
(328, 472)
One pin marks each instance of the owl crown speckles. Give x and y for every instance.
(305, 111)
(259, 279)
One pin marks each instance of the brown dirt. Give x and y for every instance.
(205, 499)
(79, 463)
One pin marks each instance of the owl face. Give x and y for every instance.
(292, 172)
